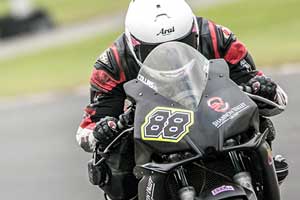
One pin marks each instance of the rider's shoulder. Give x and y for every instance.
(110, 60)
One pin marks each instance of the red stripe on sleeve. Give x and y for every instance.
(101, 79)
(236, 52)
(213, 35)
(116, 54)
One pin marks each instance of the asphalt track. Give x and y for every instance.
(40, 158)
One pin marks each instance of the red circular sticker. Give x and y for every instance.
(218, 104)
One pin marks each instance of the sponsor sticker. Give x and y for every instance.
(231, 114)
(224, 188)
(150, 189)
(147, 82)
(218, 104)
(245, 65)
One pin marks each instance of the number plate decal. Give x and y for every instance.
(165, 124)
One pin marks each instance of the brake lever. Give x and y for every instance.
(105, 154)
(125, 123)
(259, 98)
(106, 150)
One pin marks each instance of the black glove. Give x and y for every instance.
(262, 86)
(106, 131)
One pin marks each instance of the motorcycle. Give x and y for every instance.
(196, 133)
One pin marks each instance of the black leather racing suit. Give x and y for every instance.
(116, 65)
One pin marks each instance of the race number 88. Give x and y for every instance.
(167, 124)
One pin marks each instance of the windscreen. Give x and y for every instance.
(176, 71)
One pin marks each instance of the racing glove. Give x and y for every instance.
(106, 131)
(262, 86)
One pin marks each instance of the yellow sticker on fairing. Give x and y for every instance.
(165, 124)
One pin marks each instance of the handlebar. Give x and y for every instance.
(269, 108)
(246, 88)
(104, 154)
(125, 124)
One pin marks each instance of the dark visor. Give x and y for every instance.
(143, 49)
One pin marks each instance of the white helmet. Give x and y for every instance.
(152, 22)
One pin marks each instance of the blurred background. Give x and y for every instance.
(47, 51)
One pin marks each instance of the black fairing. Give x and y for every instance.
(211, 125)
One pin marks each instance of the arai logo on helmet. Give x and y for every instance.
(165, 32)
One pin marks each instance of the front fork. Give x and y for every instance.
(271, 186)
(243, 178)
(152, 185)
(186, 192)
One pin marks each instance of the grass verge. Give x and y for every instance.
(4, 7)
(52, 69)
(270, 28)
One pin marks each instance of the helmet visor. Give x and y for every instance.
(142, 49)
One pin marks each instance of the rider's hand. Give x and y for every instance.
(106, 131)
(263, 86)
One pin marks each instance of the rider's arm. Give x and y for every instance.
(241, 65)
(106, 97)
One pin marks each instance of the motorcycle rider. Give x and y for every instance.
(148, 24)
